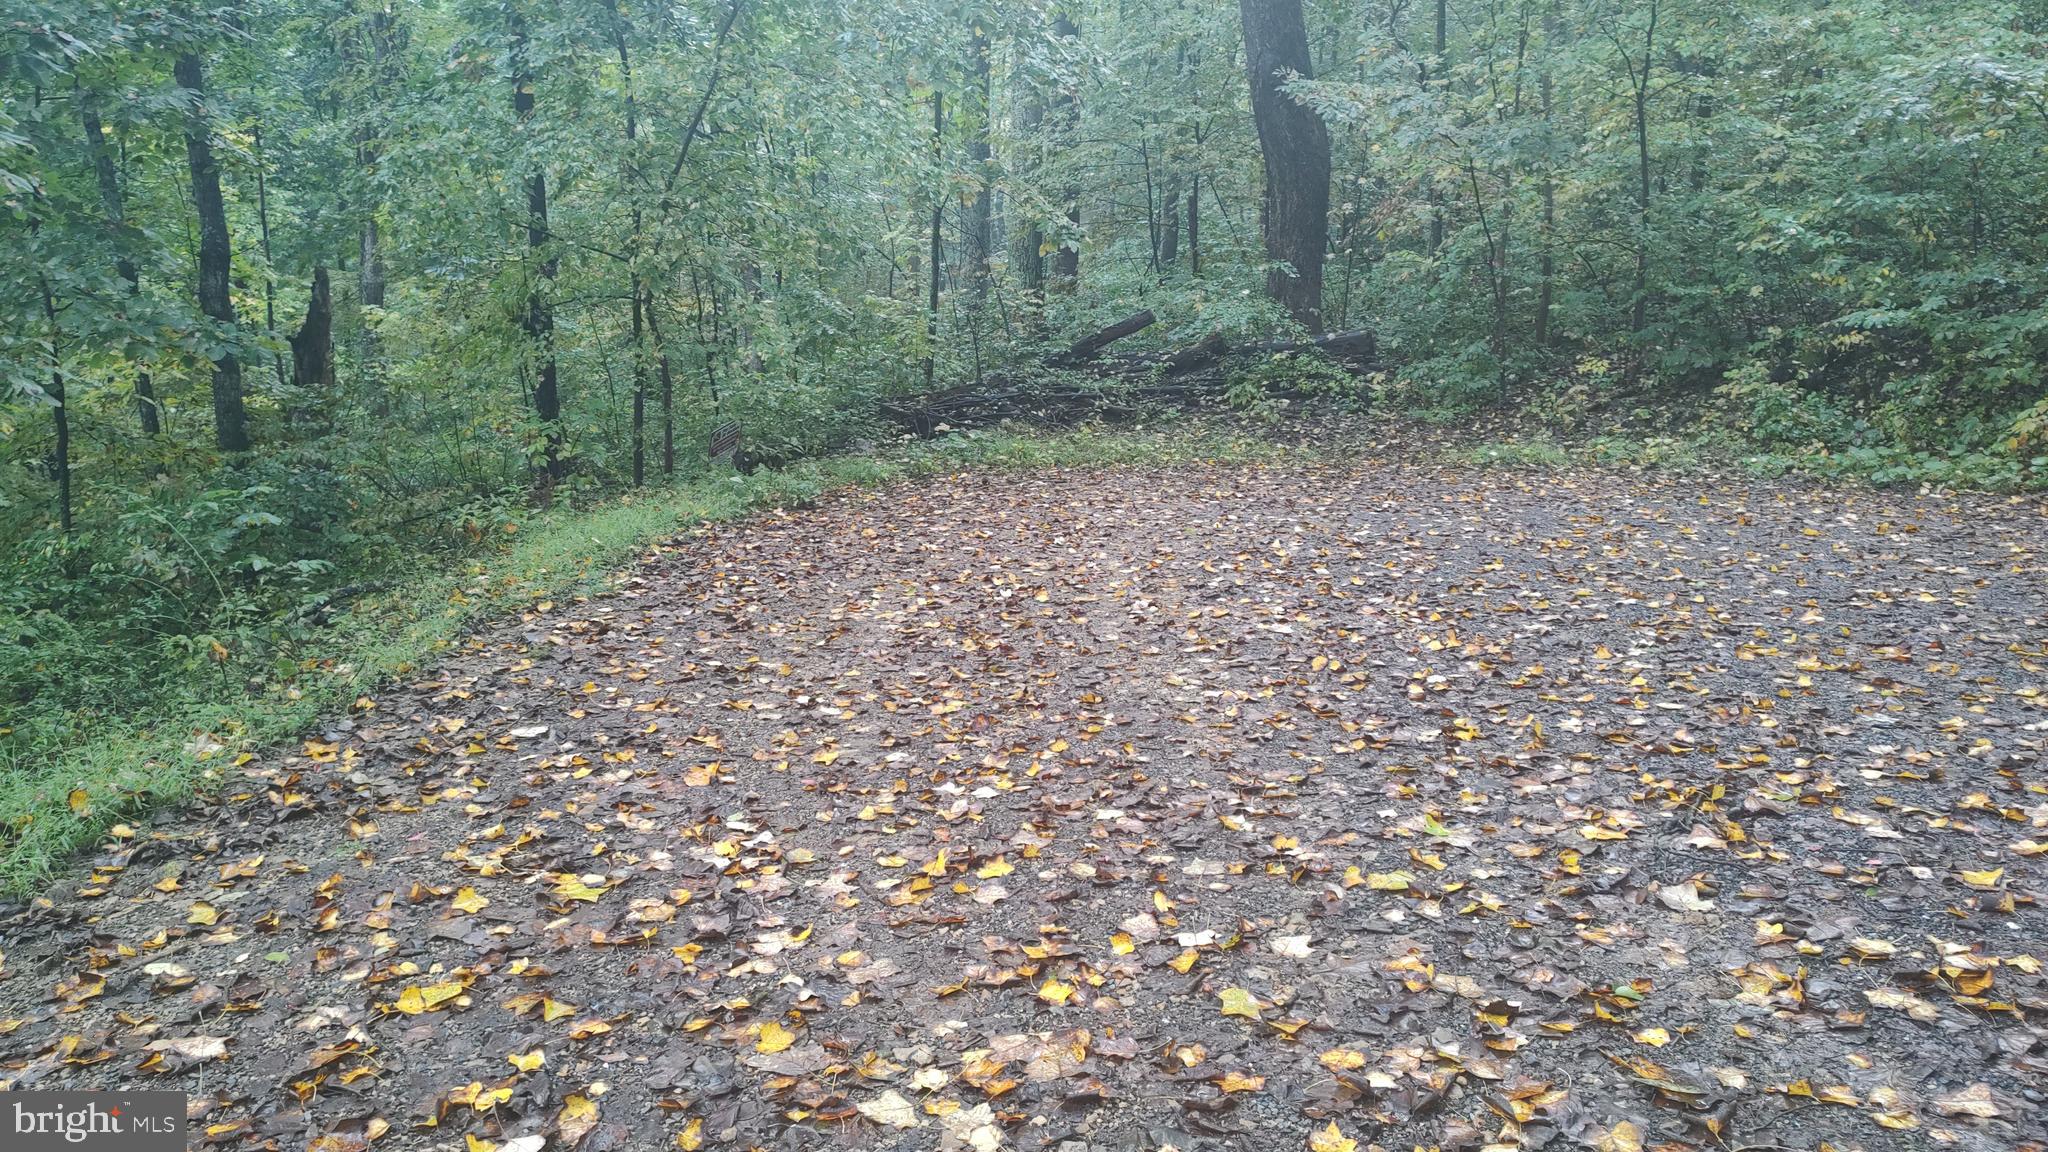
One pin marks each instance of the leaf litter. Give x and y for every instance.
(1205, 808)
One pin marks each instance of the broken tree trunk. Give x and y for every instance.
(1088, 347)
(1188, 375)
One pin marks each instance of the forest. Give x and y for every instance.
(292, 289)
(1097, 576)
(297, 294)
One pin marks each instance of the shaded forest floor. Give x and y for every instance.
(1206, 807)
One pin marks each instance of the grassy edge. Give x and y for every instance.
(1542, 450)
(51, 811)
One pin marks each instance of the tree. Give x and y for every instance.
(108, 179)
(1066, 117)
(540, 314)
(1295, 146)
(230, 419)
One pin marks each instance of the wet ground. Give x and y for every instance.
(1213, 808)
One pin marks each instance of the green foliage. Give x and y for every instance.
(1835, 233)
(1797, 235)
(173, 740)
(1540, 453)
(1261, 385)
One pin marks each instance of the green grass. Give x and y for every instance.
(1541, 453)
(59, 796)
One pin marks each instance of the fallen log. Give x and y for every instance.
(1087, 347)
(1190, 374)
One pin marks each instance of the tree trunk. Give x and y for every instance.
(979, 210)
(540, 315)
(1085, 349)
(639, 392)
(1436, 196)
(114, 205)
(379, 28)
(1296, 149)
(230, 417)
(1639, 311)
(931, 316)
(666, 375)
(1169, 225)
(1028, 254)
(263, 236)
(313, 344)
(60, 412)
(1545, 290)
(1195, 224)
(1066, 261)
(641, 292)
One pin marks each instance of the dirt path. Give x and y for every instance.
(1216, 809)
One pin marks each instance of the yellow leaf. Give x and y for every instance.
(201, 913)
(1183, 962)
(1390, 881)
(774, 1038)
(1623, 1137)
(577, 1117)
(995, 868)
(691, 1138)
(416, 1000)
(1654, 1037)
(1342, 1060)
(1238, 1002)
(1330, 1139)
(1054, 992)
(80, 801)
(467, 900)
(568, 887)
(1983, 880)
(528, 1061)
(1241, 1082)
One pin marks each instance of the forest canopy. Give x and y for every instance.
(298, 292)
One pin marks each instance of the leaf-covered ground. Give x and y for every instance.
(1250, 809)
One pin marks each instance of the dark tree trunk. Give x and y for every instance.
(639, 390)
(1066, 261)
(540, 314)
(666, 375)
(1169, 225)
(1195, 224)
(60, 412)
(263, 237)
(710, 345)
(115, 206)
(642, 294)
(1436, 196)
(931, 316)
(979, 210)
(1028, 255)
(1639, 311)
(313, 344)
(1085, 349)
(1546, 273)
(379, 30)
(1296, 149)
(230, 417)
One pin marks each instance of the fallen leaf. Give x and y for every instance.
(1238, 1002)
(891, 1109)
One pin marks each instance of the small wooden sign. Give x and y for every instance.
(725, 441)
